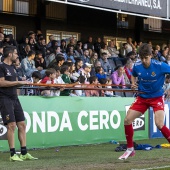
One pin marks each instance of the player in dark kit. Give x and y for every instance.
(10, 107)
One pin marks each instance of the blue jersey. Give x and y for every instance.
(151, 79)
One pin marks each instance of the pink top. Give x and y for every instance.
(116, 79)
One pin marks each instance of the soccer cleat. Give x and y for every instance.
(127, 154)
(27, 157)
(15, 158)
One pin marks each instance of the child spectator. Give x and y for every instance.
(66, 78)
(36, 78)
(100, 74)
(93, 81)
(49, 79)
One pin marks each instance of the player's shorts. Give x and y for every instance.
(142, 104)
(11, 110)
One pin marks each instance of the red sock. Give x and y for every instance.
(129, 135)
(166, 132)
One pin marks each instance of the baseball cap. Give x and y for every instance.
(87, 65)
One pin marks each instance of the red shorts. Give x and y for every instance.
(141, 104)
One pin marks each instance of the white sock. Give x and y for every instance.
(130, 149)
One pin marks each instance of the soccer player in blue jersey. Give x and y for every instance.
(150, 76)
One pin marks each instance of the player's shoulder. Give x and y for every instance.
(156, 62)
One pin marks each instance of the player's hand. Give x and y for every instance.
(134, 86)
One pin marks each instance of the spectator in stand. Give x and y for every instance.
(105, 63)
(98, 64)
(97, 46)
(131, 55)
(164, 55)
(66, 78)
(54, 46)
(42, 46)
(166, 85)
(85, 71)
(117, 77)
(156, 55)
(85, 58)
(100, 74)
(93, 60)
(130, 46)
(70, 55)
(20, 73)
(78, 65)
(10, 40)
(123, 50)
(33, 44)
(1, 54)
(89, 44)
(1, 39)
(113, 49)
(104, 49)
(51, 58)
(78, 51)
(93, 84)
(40, 63)
(63, 46)
(73, 74)
(51, 38)
(168, 59)
(128, 69)
(27, 49)
(35, 78)
(58, 61)
(28, 64)
(49, 79)
(72, 43)
(22, 46)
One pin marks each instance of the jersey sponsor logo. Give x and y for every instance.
(139, 74)
(153, 74)
(8, 72)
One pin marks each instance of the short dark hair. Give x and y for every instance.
(50, 71)
(59, 58)
(145, 50)
(64, 68)
(97, 69)
(37, 75)
(30, 53)
(8, 49)
(92, 78)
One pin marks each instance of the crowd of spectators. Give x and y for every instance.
(77, 62)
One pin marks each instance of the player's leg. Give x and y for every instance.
(159, 121)
(137, 109)
(20, 119)
(131, 116)
(158, 107)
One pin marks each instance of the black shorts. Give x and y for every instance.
(11, 110)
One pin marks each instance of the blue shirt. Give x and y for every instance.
(151, 79)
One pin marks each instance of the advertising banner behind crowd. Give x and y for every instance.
(64, 121)
(147, 7)
(154, 131)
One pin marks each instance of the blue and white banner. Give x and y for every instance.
(154, 132)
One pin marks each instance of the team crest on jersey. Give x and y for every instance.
(8, 72)
(7, 117)
(153, 74)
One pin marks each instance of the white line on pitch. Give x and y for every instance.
(161, 167)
